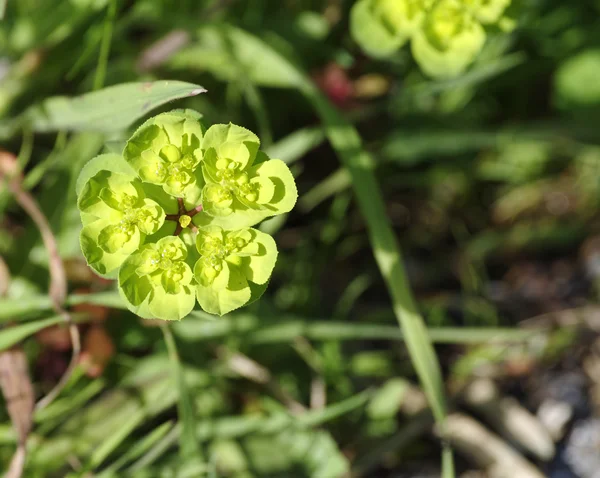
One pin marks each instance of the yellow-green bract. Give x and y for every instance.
(171, 217)
(445, 35)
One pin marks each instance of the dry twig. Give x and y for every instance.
(17, 390)
(58, 278)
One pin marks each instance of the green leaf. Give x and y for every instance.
(230, 54)
(188, 441)
(12, 335)
(296, 145)
(108, 110)
(386, 402)
(138, 449)
(231, 136)
(359, 164)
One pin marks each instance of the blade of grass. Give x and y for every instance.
(335, 183)
(138, 449)
(155, 451)
(359, 164)
(105, 45)
(188, 443)
(110, 444)
(63, 406)
(14, 334)
(291, 148)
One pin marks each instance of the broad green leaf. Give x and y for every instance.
(108, 110)
(116, 216)
(291, 452)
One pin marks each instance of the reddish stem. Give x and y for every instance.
(194, 211)
(183, 212)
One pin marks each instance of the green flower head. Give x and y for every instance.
(157, 282)
(116, 216)
(166, 151)
(382, 26)
(449, 41)
(242, 185)
(487, 11)
(171, 217)
(230, 265)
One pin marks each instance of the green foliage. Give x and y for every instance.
(576, 82)
(478, 191)
(175, 179)
(109, 110)
(445, 35)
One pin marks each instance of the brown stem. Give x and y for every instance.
(58, 277)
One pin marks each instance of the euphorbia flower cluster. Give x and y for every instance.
(445, 35)
(171, 217)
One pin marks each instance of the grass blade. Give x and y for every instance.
(359, 164)
(13, 335)
(188, 443)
